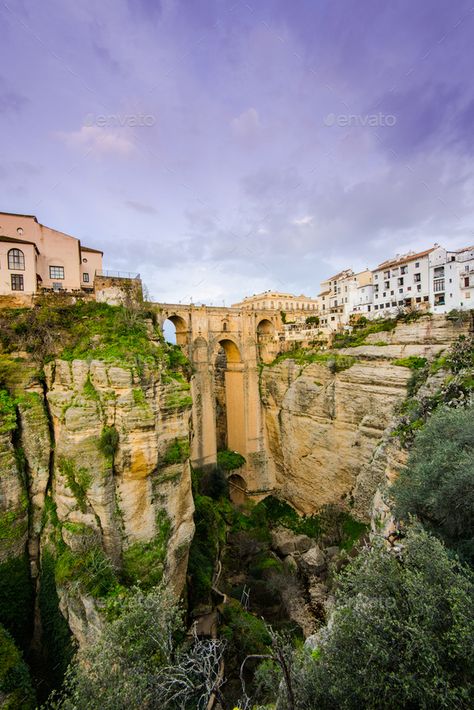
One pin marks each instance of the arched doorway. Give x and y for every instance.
(237, 489)
(229, 397)
(267, 345)
(175, 330)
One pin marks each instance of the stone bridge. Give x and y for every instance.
(225, 347)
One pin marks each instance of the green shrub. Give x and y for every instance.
(7, 412)
(78, 481)
(312, 320)
(177, 452)
(414, 362)
(437, 483)
(109, 441)
(92, 570)
(401, 634)
(16, 690)
(244, 632)
(143, 562)
(229, 460)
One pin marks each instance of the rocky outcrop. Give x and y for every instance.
(103, 481)
(329, 432)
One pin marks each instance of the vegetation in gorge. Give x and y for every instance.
(16, 598)
(229, 460)
(437, 485)
(401, 635)
(142, 660)
(16, 689)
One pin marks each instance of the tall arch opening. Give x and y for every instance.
(175, 330)
(229, 398)
(267, 345)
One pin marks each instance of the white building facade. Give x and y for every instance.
(403, 282)
(451, 279)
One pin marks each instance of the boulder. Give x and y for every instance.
(286, 542)
(313, 562)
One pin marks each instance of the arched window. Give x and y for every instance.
(16, 260)
(224, 326)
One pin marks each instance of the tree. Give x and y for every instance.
(402, 634)
(312, 320)
(118, 670)
(137, 663)
(437, 484)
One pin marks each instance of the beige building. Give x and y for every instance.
(293, 306)
(35, 258)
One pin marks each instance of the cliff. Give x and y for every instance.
(328, 416)
(95, 484)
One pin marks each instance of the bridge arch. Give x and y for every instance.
(181, 328)
(266, 340)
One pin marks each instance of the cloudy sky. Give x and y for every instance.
(221, 148)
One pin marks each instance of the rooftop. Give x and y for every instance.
(14, 240)
(404, 258)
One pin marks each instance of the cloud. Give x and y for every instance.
(246, 126)
(303, 221)
(141, 207)
(99, 140)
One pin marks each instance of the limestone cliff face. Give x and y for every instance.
(105, 469)
(328, 432)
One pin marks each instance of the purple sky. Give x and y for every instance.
(277, 141)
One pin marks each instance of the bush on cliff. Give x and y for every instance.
(402, 634)
(437, 484)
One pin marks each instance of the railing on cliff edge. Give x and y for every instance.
(118, 274)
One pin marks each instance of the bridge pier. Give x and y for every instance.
(248, 337)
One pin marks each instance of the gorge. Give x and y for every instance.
(102, 423)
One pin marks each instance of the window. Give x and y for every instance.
(400, 281)
(417, 264)
(418, 299)
(403, 269)
(16, 261)
(56, 272)
(386, 284)
(417, 278)
(17, 282)
(400, 290)
(85, 278)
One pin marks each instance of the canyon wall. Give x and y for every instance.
(95, 479)
(328, 423)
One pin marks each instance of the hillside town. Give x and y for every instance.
(437, 280)
(36, 259)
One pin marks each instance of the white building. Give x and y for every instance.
(403, 282)
(451, 279)
(340, 295)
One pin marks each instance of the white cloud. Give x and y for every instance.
(98, 139)
(247, 125)
(302, 221)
